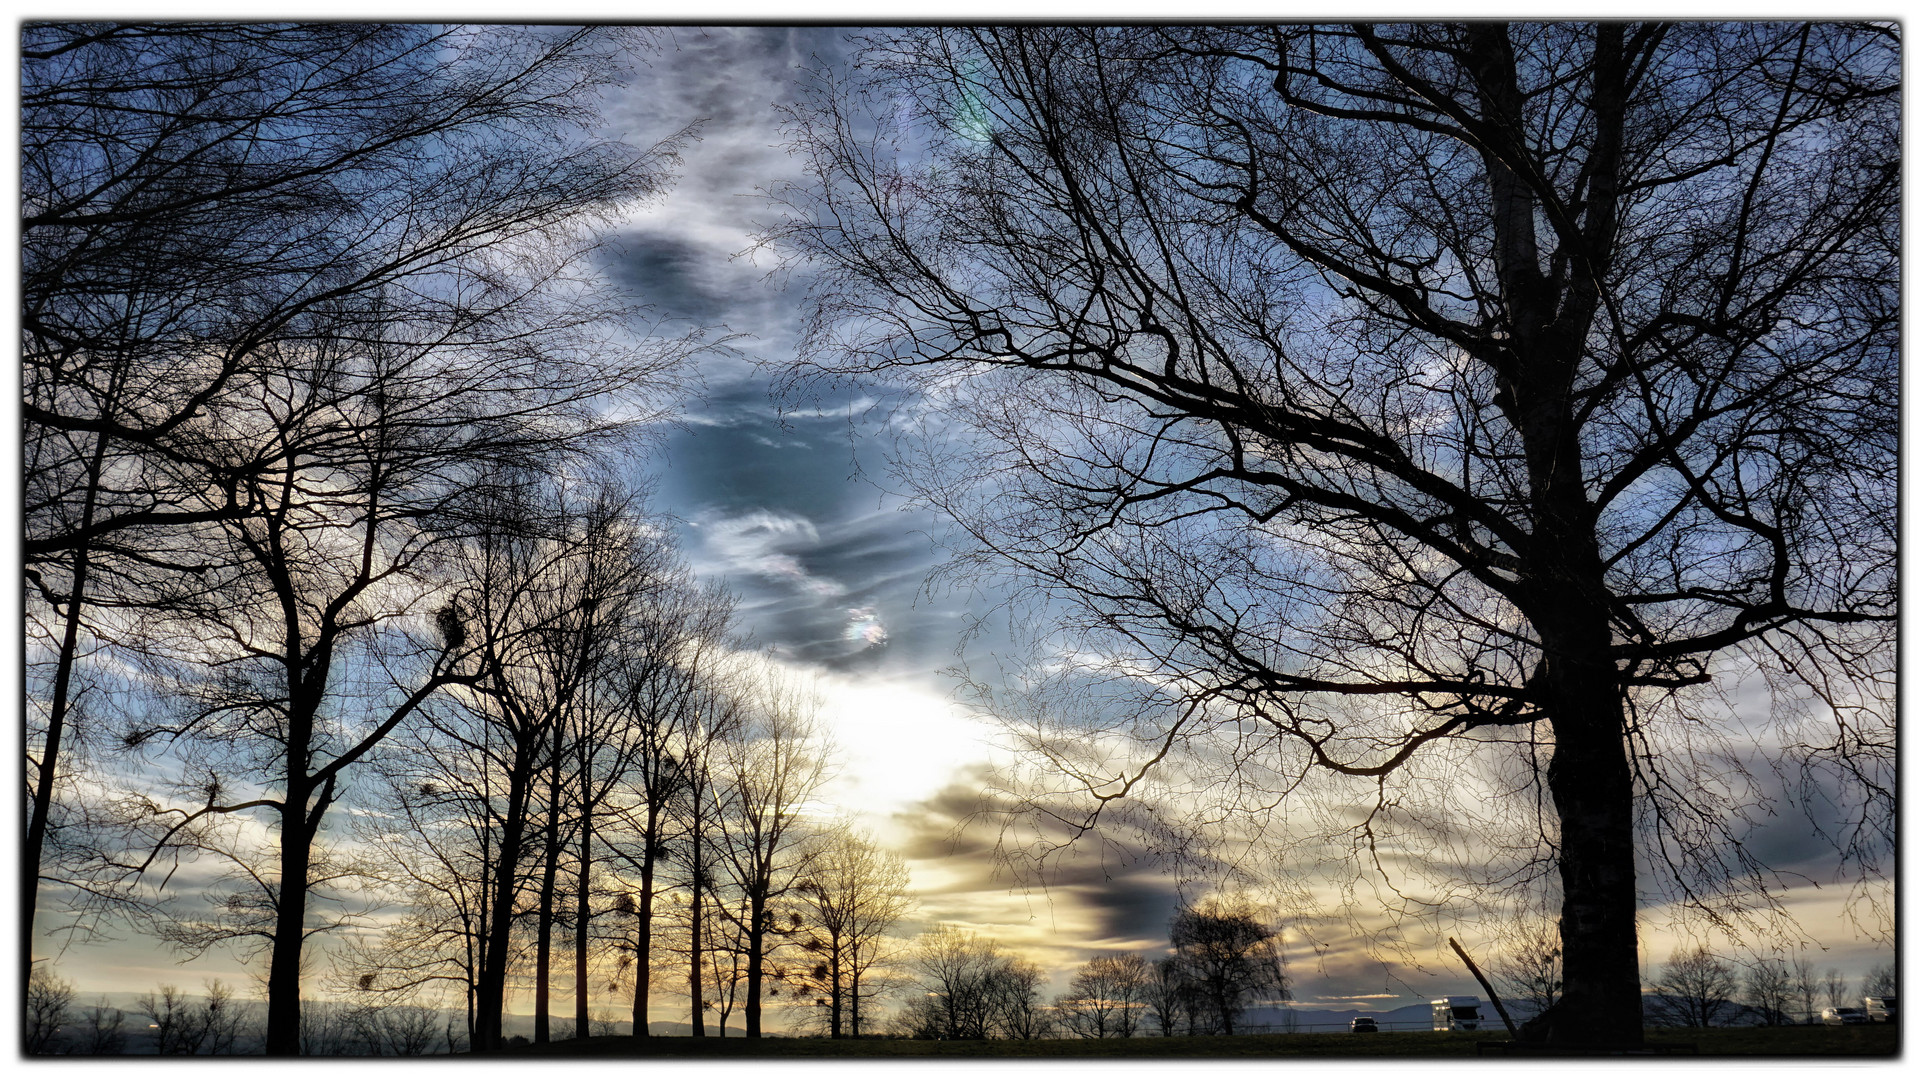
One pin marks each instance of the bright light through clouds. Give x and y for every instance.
(897, 741)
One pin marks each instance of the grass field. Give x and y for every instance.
(1878, 1040)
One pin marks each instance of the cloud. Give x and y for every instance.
(1115, 893)
(765, 543)
(866, 626)
(670, 273)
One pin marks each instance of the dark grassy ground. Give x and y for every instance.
(1877, 1040)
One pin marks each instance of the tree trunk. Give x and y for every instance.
(49, 764)
(834, 985)
(1589, 780)
(583, 911)
(493, 988)
(544, 929)
(756, 942)
(290, 918)
(1576, 683)
(1588, 774)
(694, 941)
(644, 933)
(50, 748)
(854, 999)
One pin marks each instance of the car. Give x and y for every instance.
(1879, 1010)
(1362, 1023)
(1838, 1017)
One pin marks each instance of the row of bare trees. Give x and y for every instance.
(335, 594)
(608, 774)
(291, 297)
(1698, 988)
(625, 787)
(1224, 959)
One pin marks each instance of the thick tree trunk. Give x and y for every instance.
(1576, 684)
(1588, 774)
(1589, 780)
(493, 987)
(290, 919)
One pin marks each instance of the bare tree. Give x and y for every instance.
(1695, 989)
(1769, 987)
(48, 1004)
(1167, 994)
(1106, 996)
(619, 743)
(1363, 399)
(328, 1029)
(1835, 988)
(852, 896)
(198, 199)
(539, 604)
(341, 269)
(102, 1030)
(179, 1027)
(968, 987)
(767, 772)
(702, 825)
(388, 1023)
(954, 972)
(667, 699)
(1804, 985)
(1229, 956)
(1015, 1010)
(1880, 981)
(1530, 971)
(616, 576)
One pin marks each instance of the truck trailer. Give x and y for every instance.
(1458, 1013)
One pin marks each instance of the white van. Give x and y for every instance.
(1458, 1013)
(1879, 1010)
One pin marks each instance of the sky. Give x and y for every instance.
(787, 501)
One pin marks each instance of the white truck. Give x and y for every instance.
(1458, 1013)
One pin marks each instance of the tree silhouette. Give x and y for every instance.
(853, 895)
(1363, 402)
(1695, 989)
(1229, 958)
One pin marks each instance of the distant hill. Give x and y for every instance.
(1415, 1017)
(140, 1041)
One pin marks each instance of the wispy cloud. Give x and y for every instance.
(765, 543)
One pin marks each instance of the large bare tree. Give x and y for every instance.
(1377, 404)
